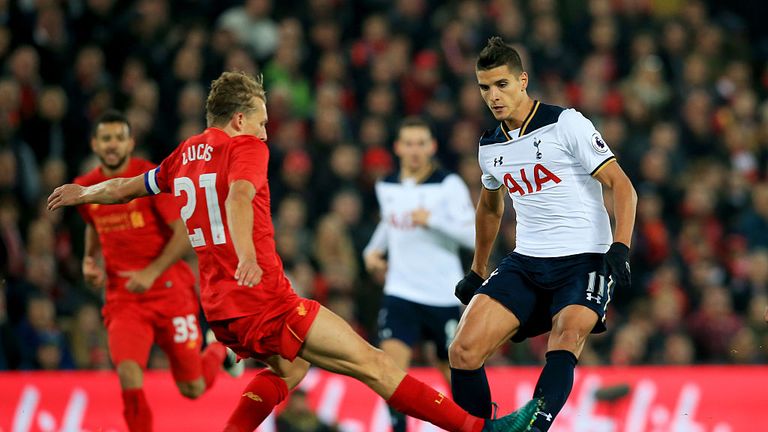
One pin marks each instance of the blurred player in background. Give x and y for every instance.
(560, 277)
(150, 292)
(221, 175)
(426, 214)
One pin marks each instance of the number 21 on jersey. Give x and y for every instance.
(207, 182)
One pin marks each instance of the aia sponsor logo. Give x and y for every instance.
(401, 221)
(529, 182)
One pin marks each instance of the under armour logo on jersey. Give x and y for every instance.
(547, 416)
(498, 161)
(536, 143)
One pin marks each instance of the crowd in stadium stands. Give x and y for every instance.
(677, 88)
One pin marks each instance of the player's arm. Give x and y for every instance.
(373, 254)
(178, 245)
(93, 273)
(624, 204)
(490, 209)
(624, 200)
(112, 191)
(240, 223)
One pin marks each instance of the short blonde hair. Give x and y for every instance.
(232, 92)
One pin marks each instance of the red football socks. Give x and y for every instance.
(136, 411)
(212, 358)
(259, 397)
(416, 399)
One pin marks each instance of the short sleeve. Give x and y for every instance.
(248, 159)
(158, 179)
(489, 181)
(584, 141)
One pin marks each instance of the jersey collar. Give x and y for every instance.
(521, 131)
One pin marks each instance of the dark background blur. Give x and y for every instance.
(677, 88)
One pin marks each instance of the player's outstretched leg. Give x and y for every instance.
(265, 391)
(332, 345)
(401, 355)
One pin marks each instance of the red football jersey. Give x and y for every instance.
(132, 235)
(200, 171)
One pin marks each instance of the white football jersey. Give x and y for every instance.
(548, 165)
(423, 264)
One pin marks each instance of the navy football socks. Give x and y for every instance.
(554, 386)
(471, 391)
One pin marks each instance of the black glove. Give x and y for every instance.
(617, 259)
(466, 287)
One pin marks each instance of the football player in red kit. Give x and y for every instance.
(149, 290)
(220, 176)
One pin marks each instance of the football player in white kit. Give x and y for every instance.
(426, 215)
(553, 164)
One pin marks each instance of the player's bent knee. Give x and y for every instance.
(462, 356)
(568, 339)
(130, 374)
(297, 373)
(191, 389)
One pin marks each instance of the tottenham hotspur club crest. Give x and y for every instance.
(536, 143)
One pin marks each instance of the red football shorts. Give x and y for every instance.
(261, 337)
(132, 327)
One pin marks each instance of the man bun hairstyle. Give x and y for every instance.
(232, 92)
(497, 53)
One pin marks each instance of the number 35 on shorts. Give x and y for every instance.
(186, 328)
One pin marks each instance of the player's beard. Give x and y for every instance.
(116, 165)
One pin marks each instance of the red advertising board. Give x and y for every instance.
(660, 399)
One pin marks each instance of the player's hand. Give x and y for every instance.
(420, 217)
(375, 262)
(67, 195)
(617, 259)
(248, 272)
(139, 281)
(467, 287)
(93, 273)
